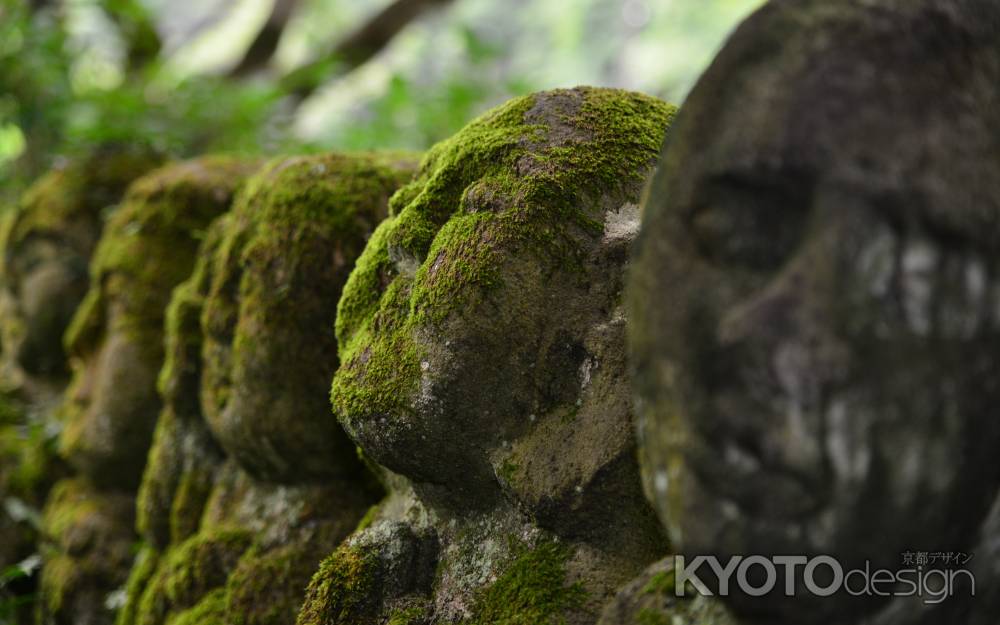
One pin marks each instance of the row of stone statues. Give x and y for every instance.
(551, 367)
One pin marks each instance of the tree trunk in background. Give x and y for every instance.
(142, 41)
(355, 49)
(266, 43)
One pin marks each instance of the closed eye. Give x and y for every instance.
(755, 225)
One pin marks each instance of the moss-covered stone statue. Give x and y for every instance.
(814, 304)
(116, 340)
(251, 481)
(481, 339)
(45, 245)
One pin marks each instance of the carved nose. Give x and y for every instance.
(83, 385)
(785, 357)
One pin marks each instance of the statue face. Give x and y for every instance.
(815, 300)
(48, 241)
(477, 332)
(116, 336)
(44, 281)
(112, 401)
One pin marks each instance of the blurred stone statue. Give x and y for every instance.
(481, 338)
(251, 481)
(814, 303)
(45, 245)
(110, 408)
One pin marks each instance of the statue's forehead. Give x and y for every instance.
(864, 112)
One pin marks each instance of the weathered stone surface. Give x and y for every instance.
(482, 345)
(814, 311)
(108, 415)
(245, 446)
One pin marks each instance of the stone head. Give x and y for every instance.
(481, 334)
(814, 301)
(47, 242)
(268, 324)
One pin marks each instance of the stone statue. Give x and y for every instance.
(251, 481)
(110, 409)
(481, 338)
(45, 245)
(814, 309)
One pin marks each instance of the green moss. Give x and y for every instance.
(413, 615)
(340, 197)
(174, 488)
(531, 591)
(193, 490)
(663, 583)
(189, 571)
(508, 469)
(88, 554)
(11, 411)
(28, 460)
(149, 244)
(268, 587)
(650, 616)
(78, 192)
(142, 571)
(211, 610)
(276, 275)
(519, 176)
(69, 507)
(203, 562)
(339, 589)
(86, 328)
(369, 518)
(60, 576)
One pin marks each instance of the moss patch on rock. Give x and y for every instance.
(189, 571)
(147, 248)
(183, 457)
(152, 239)
(45, 245)
(79, 191)
(651, 599)
(340, 589)
(532, 590)
(211, 610)
(294, 235)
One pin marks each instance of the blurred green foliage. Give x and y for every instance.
(69, 77)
